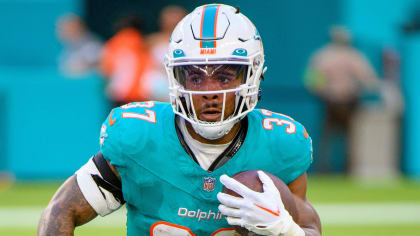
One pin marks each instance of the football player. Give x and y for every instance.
(168, 162)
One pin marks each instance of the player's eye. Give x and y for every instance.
(195, 80)
(224, 79)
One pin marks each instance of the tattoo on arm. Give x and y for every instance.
(67, 209)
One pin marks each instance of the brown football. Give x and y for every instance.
(251, 180)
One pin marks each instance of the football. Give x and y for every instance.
(251, 180)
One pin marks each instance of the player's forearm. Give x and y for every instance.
(56, 221)
(67, 209)
(309, 220)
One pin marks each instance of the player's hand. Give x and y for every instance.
(262, 213)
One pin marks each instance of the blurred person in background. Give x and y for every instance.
(158, 45)
(337, 74)
(81, 47)
(125, 61)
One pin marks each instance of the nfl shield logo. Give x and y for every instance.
(208, 183)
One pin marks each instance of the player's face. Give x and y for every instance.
(209, 107)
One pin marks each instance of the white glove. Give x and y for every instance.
(262, 213)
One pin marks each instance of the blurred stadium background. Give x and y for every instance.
(49, 124)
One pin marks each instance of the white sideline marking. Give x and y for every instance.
(369, 213)
(331, 214)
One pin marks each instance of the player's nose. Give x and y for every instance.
(210, 96)
(210, 86)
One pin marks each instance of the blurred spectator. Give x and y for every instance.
(391, 95)
(337, 74)
(158, 44)
(81, 48)
(125, 61)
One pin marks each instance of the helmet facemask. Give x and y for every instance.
(192, 83)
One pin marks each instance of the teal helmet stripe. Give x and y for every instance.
(208, 25)
(208, 44)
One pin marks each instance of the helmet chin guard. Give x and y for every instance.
(213, 132)
(215, 35)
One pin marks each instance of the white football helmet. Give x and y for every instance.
(215, 35)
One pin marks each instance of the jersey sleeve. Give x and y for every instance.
(300, 157)
(294, 152)
(110, 138)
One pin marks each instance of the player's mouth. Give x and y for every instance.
(211, 115)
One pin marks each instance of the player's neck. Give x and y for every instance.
(223, 140)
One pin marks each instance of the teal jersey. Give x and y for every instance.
(166, 192)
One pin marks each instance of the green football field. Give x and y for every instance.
(346, 207)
